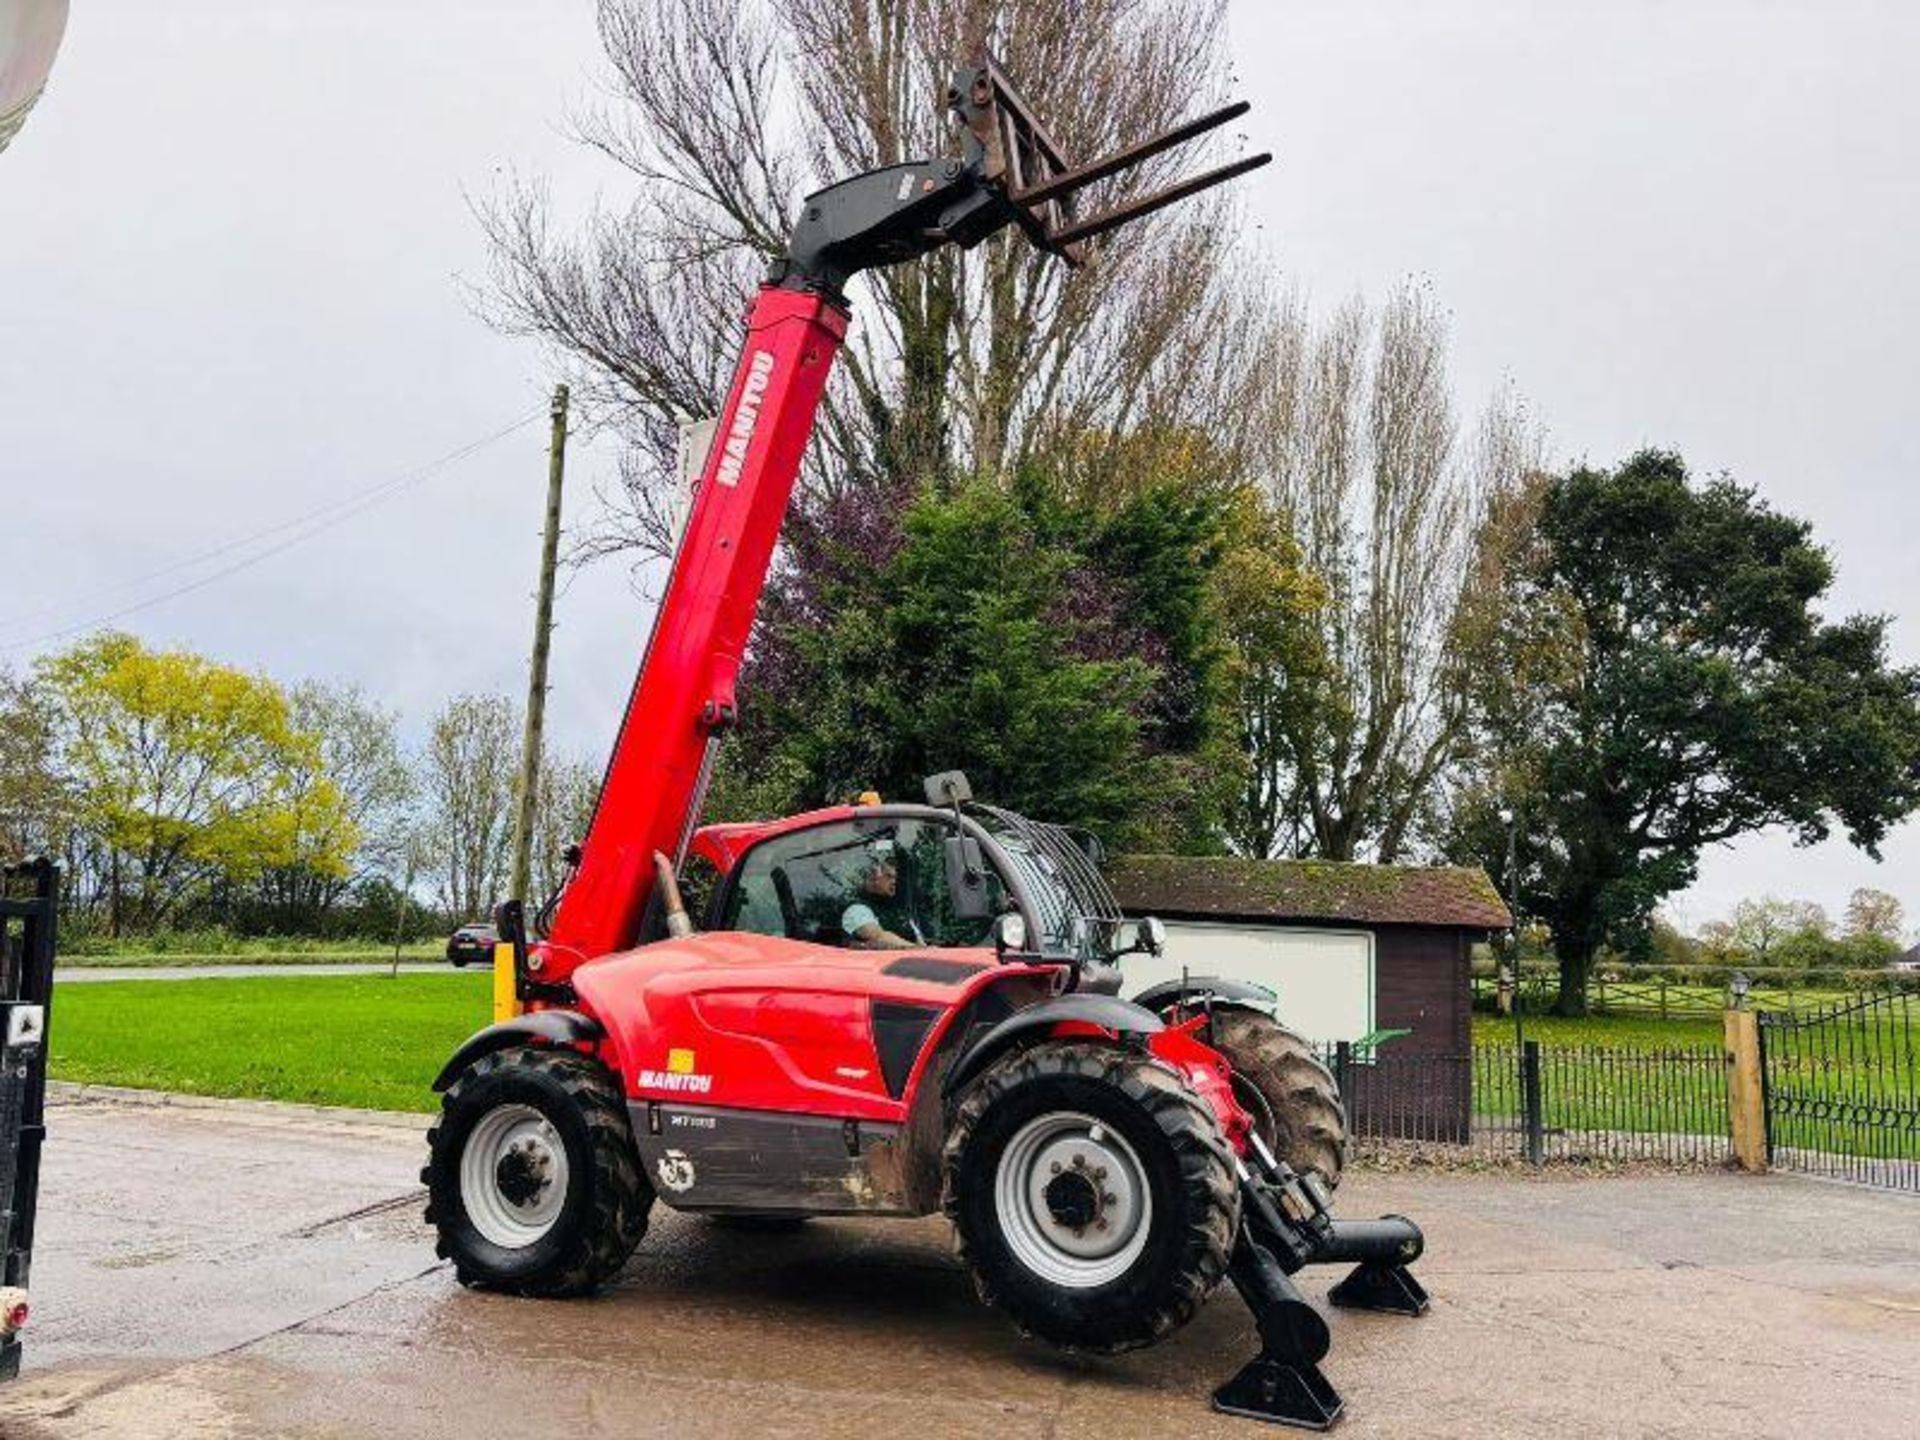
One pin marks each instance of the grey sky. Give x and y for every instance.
(230, 237)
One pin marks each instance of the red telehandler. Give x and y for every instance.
(894, 1009)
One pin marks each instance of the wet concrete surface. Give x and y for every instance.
(251, 1272)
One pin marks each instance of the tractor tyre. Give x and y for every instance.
(1092, 1194)
(1295, 1103)
(533, 1182)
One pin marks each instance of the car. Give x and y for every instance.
(472, 942)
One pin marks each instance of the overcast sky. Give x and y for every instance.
(232, 239)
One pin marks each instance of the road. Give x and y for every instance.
(94, 974)
(243, 1272)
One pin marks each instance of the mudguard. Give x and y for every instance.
(550, 1027)
(1158, 997)
(1108, 1012)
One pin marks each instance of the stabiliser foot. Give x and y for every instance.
(1389, 1289)
(1282, 1394)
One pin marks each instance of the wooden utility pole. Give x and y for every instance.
(528, 790)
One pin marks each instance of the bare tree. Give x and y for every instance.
(1360, 442)
(722, 113)
(1874, 915)
(467, 788)
(350, 799)
(569, 789)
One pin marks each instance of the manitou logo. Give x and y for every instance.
(746, 415)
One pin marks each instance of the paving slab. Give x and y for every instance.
(260, 1271)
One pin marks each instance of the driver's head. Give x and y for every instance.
(882, 874)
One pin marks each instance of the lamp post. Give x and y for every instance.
(1510, 818)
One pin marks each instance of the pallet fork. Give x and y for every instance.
(27, 899)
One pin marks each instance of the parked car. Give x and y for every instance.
(472, 942)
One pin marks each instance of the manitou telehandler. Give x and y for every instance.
(893, 1009)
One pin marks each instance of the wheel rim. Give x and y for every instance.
(1072, 1200)
(513, 1176)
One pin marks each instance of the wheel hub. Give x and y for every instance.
(513, 1176)
(523, 1172)
(1072, 1200)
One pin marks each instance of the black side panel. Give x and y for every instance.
(702, 1157)
(931, 967)
(1035, 1021)
(898, 1033)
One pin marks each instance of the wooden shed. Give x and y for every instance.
(1373, 955)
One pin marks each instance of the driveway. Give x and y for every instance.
(240, 1271)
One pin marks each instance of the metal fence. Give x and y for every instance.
(1687, 992)
(1538, 1103)
(1842, 1090)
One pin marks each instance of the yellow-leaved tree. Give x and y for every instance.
(185, 774)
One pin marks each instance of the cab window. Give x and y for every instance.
(869, 883)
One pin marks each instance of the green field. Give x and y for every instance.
(140, 955)
(359, 1040)
(1628, 1032)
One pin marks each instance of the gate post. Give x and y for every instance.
(1746, 1091)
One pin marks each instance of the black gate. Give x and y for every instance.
(27, 898)
(1843, 1090)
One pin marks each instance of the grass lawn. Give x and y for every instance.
(1628, 1032)
(344, 952)
(360, 1040)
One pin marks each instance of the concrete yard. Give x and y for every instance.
(238, 1271)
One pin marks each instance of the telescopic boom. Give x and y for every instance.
(1010, 172)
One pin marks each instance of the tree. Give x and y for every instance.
(970, 363)
(349, 803)
(1708, 699)
(1769, 932)
(569, 789)
(467, 788)
(1064, 658)
(1356, 432)
(1874, 915)
(32, 799)
(182, 775)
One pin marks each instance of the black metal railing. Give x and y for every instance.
(1538, 1103)
(1842, 1088)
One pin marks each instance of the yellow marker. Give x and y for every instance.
(868, 797)
(679, 1062)
(506, 1004)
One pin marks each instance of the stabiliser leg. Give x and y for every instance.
(1283, 1383)
(1284, 1226)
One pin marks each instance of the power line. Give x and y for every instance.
(315, 522)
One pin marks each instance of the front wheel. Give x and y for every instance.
(1092, 1193)
(533, 1181)
(1294, 1099)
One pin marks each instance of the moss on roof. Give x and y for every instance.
(1192, 885)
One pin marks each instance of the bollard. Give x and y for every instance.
(1746, 1091)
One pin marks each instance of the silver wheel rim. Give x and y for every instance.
(1072, 1200)
(513, 1176)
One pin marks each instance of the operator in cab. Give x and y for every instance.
(876, 920)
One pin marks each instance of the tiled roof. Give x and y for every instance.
(1190, 885)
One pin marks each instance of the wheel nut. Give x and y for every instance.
(1109, 1200)
(1055, 1169)
(1101, 1173)
(1099, 1224)
(1079, 1162)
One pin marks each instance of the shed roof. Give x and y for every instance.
(1225, 887)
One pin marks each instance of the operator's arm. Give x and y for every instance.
(863, 928)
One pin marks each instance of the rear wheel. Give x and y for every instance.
(532, 1178)
(1092, 1193)
(1294, 1099)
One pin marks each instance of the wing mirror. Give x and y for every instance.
(1149, 937)
(966, 878)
